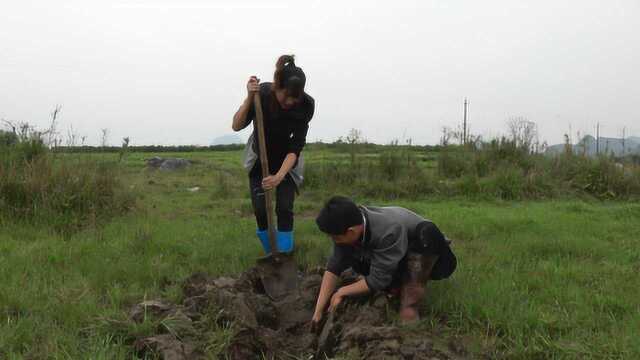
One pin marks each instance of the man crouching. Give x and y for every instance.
(391, 247)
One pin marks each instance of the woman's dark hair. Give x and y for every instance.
(337, 215)
(288, 76)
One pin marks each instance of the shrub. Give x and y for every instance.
(390, 165)
(7, 138)
(502, 152)
(395, 173)
(454, 162)
(497, 169)
(467, 185)
(507, 184)
(601, 176)
(329, 175)
(68, 194)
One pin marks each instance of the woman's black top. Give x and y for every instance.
(285, 130)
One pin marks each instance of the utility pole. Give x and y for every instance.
(537, 139)
(624, 130)
(464, 123)
(598, 139)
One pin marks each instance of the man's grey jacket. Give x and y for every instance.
(389, 232)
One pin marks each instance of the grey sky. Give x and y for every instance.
(173, 72)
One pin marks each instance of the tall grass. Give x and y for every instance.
(536, 280)
(499, 169)
(396, 172)
(601, 176)
(65, 192)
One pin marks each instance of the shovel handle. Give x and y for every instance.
(264, 162)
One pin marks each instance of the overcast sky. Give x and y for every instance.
(174, 72)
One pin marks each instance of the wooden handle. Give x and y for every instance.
(264, 162)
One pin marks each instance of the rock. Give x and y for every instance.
(174, 164)
(293, 313)
(195, 285)
(167, 164)
(234, 307)
(179, 324)
(156, 308)
(167, 346)
(225, 282)
(155, 162)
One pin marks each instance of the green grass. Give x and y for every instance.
(545, 279)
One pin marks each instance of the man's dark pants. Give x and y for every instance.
(429, 257)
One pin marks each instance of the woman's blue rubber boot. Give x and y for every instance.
(263, 235)
(285, 241)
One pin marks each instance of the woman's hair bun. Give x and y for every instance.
(289, 76)
(285, 60)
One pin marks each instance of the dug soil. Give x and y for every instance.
(260, 328)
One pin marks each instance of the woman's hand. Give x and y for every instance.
(271, 181)
(336, 299)
(240, 120)
(253, 86)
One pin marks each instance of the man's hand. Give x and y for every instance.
(359, 287)
(253, 86)
(329, 281)
(336, 299)
(271, 182)
(315, 322)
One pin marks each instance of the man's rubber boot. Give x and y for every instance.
(263, 235)
(409, 310)
(285, 241)
(411, 295)
(413, 285)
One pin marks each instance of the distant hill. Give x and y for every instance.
(227, 140)
(589, 146)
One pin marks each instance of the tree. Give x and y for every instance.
(52, 132)
(124, 151)
(104, 138)
(523, 132)
(8, 138)
(447, 133)
(353, 139)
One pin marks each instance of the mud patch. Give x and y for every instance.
(169, 164)
(262, 328)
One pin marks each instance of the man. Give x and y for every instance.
(391, 247)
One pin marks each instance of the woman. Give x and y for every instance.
(287, 110)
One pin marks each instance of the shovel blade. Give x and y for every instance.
(279, 275)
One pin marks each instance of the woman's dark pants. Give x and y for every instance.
(285, 194)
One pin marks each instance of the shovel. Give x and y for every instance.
(278, 271)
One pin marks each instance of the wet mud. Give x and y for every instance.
(361, 328)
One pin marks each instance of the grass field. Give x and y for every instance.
(536, 279)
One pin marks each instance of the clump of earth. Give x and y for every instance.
(168, 164)
(261, 328)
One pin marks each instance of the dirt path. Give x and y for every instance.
(360, 329)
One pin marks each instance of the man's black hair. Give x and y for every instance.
(337, 215)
